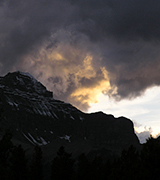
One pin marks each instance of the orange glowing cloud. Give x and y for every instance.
(70, 73)
(89, 95)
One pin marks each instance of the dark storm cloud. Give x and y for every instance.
(25, 25)
(121, 19)
(66, 44)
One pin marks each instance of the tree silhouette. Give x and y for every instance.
(95, 169)
(6, 146)
(1, 109)
(18, 167)
(36, 167)
(62, 166)
(106, 169)
(83, 167)
(150, 156)
(127, 166)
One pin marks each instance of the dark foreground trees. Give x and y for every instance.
(62, 166)
(14, 164)
(36, 167)
(18, 164)
(6, 147)
(132, 164)
(150, 159)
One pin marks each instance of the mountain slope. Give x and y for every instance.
(35, 117)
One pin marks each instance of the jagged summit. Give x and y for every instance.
(20, 81)
(22, 92)
(35, 117)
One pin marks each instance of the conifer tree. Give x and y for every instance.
(36, 168)
(62, 166)
(150, 157)
(18, 167)
(6, 146)
(127, 166)
(95, 168)
(83, 167)
(1, 109)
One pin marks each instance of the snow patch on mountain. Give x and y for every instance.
(40, 140)
(72, 117)
(81, 118)
(66, 137)
(27, 138)
(44, 142)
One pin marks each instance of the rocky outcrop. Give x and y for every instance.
(35, 117)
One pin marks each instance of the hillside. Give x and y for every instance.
(34, 117)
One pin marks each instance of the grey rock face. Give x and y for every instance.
(35, 117)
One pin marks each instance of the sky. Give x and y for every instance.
(95, 54)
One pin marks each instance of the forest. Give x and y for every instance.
(133, 164)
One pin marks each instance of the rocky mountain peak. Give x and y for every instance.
(36, 118)
(24, 82)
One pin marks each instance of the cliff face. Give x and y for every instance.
(35, 117)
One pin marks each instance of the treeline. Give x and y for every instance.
(14, 164)
(132, 164)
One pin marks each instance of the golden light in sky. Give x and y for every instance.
(88, 50)
(77, 76)
(65, 66)
(91, 94)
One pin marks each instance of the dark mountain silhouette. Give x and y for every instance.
(34, 117)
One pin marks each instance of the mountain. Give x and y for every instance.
(34, 117)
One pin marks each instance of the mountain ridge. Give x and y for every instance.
(35, 117)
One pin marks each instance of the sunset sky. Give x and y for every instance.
(99, 55)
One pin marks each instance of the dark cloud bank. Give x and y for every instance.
(74, 46)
